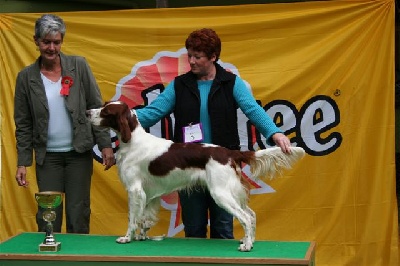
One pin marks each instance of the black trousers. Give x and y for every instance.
(70, 173)
(197, 206)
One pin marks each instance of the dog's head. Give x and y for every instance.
(114, 115)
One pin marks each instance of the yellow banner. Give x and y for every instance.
(323, 70)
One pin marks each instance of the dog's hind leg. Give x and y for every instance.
(136, 202)
(226, 200)
(149, 218)
(144, 226)
(244, 218)
(253, 223)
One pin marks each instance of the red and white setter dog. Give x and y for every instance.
(151, 167)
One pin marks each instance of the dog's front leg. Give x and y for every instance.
(136, 201)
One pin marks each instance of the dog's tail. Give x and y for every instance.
(271, 161)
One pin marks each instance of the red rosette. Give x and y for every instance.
(66, 83)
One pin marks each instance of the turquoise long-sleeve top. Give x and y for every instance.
(165, 102)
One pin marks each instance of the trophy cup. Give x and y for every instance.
(49, 200)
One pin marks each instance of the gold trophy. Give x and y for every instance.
(49, 200)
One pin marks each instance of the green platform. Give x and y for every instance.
(99, 250)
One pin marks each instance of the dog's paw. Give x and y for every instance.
(123, 240)
(141, 237)
(245, 247)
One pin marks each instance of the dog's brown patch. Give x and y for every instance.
(190, 155)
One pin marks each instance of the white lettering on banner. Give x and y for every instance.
(317, 116)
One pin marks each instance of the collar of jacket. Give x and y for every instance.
(36, 84)
(67, 67)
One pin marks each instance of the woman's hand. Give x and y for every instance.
(21, 176)
(283, 142)
(108, 158)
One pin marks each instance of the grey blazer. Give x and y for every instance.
(31, 111)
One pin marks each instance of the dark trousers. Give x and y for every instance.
(197, 205)
(70, 173)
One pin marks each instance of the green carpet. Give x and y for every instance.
(92, 249)
(73, 244)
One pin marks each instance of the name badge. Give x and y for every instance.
(192, 133)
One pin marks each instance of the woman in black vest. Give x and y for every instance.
(204, 102)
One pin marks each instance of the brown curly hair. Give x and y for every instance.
(204, 40)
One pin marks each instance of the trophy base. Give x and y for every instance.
(50, 247)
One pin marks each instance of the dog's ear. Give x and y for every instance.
(132, 120)
(124, 128)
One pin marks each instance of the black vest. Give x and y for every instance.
(222, 107)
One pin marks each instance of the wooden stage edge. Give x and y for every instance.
(204, 260)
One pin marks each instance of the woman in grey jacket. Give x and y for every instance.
(51, 97)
